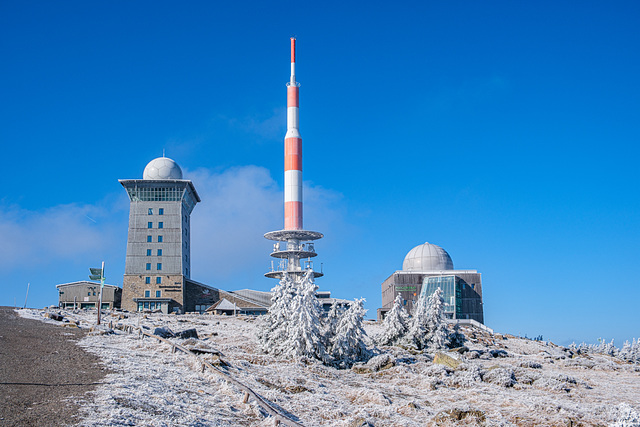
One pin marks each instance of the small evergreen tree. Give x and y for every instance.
(438, 336)
(416, 336)
(305, 334)
(273, 333)
(395, 324)
(457, 338)
(348, 344)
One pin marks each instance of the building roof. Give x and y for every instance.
(259, 297)
(427, 257)
(86, 282)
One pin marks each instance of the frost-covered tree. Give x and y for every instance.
(395, 324)
(333, 317)
(348, 344)
(438, 335)
(630, 351)
(273, 332)
(305, 335)
(416, 336)
(457, 338)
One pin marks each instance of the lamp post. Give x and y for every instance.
(98, 274)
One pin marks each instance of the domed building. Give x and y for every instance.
(157, 272)
(426, 268)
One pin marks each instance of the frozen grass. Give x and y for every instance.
(537, 383)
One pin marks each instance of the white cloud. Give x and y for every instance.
(238, 206)
(228, 249)
(32, 238)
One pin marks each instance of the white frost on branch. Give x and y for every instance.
(348, 344)
(395, 324)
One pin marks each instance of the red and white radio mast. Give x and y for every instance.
(297, 242)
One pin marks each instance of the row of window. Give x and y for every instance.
(160, 224)
(147, 294)
(147, 280)
(158, 266)
(149, 305)
(159, 252)
(160, 211)
(150, 239)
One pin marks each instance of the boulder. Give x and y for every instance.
(164, 332)
(443, 359)
(188, 333)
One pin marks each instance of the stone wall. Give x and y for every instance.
(134, 286)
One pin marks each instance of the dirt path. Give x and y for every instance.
(43, 373)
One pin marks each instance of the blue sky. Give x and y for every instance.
(505, 132)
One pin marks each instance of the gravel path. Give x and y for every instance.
(43, 373)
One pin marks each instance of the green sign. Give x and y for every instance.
(406, 288)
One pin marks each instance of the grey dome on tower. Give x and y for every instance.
(427, 257)
(162, 168)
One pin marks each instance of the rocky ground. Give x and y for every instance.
(497, 380)
(43, 373)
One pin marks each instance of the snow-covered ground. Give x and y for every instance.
(502, 380)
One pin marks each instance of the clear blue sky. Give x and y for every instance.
(505, 132)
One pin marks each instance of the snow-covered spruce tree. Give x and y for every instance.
(395, 324)
(348, 344)
(438, 336)
(416, 336)
(305, 335)
(331, 322)
(457, 338)
(273, 332)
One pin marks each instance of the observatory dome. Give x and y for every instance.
(427, 257)
(162, 168)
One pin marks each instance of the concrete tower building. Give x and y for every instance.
(293, 244)
(157, 266)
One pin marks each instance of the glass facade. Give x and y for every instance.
(461, 301)
(156, 194)
(451, 292)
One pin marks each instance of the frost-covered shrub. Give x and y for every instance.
(631, 351)
(526, 376)
(624, 415)
(380, 361)
(436, 370)
(558, 382)
(530, 364)
(503, 377)
(395, 324)
(467, 375)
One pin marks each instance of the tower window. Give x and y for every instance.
(161, 225)
(148, 266)
(148, 252)
(159, 266)
(149, 240)
(149, 225)
(159, 252)
(147, 280)
(150, 211)
(160, 211)
(147, 294)
(158, 293)
(159, 239)
(158, 281)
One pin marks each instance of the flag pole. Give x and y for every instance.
(100, 297)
